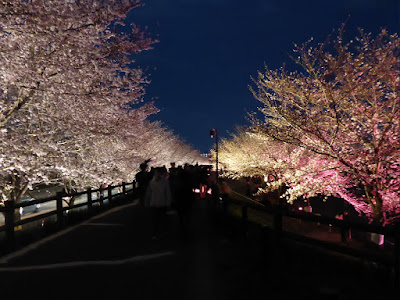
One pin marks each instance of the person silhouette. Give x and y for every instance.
(158, 198)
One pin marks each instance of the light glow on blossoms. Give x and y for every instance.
(339, 118)
(70, 98)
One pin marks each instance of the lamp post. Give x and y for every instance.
(214, 132)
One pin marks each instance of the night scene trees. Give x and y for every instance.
(70, 98)
(339, 119)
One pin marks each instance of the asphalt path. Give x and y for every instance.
(114, 255)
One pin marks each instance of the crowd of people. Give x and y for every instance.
(161, 189)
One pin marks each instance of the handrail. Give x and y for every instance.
(248, 199)
(278, 212)
(9, 208)
(54, 198)
(387, 230)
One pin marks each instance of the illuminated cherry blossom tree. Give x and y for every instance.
(70, 97)
(64, 52)
(249, 154)
(344, 109)
(283, 166)
(65, 77)
(164, 147)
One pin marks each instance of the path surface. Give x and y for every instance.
(113, 254)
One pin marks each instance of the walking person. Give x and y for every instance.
(184, 198)
(142, 178)
(224, 192)
(158, 198)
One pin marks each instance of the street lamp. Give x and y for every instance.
(214, 132)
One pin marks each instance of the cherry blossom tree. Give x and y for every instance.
(70, 98)
(65, 76)
(248, 154)
(64, 52)
(164, 147)
(344, 109)
(83, 159)
(283, 166)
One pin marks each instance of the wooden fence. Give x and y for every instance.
(279, 213)
(12, 221)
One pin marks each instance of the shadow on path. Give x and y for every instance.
(114, 255)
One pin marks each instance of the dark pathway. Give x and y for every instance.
(114, 255)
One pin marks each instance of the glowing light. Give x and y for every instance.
(377, 238)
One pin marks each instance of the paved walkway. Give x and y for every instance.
(113, 254)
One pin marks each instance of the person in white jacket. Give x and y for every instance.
(158, 198)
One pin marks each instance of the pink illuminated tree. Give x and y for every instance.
(343, 108)
(283, 166)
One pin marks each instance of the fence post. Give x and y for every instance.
(60, 209)
(89, 200)
(124, 188)
(133, 191)
(397, 257)
(9, 222)
(109, 189)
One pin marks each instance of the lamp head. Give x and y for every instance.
(212, 133)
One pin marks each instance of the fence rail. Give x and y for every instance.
(278, 214)
(11, 220)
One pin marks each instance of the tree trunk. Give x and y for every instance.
(378, 213)
(377, 238)
(20, 186)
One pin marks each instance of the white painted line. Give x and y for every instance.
(5, 259)
(134, 259)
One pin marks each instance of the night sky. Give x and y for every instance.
(208, 51)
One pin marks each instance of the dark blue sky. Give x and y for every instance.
(208, 50)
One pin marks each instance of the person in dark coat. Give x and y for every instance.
(158, 198)
(142, 178)
(182, 187)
